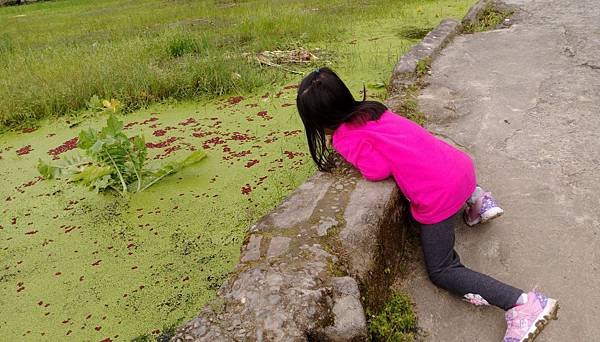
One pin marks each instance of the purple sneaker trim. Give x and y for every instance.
(510, 339)
(543, 299)
(487, 202)
(484, 208)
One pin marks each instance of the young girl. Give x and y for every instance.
(435, 177)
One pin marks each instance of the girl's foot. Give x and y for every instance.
(482, 209)
(526, 321)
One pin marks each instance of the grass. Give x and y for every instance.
(408, 105)
(56, 55)
(396, 322)
(423, 67)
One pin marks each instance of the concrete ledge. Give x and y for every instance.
(405, 71)
(474, 12)
(297, 277)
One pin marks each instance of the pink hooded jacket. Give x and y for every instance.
(436, 177)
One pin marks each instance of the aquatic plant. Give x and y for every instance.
(113, 161)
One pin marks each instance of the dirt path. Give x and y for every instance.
(524, 102)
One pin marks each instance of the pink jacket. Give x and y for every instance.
(436, 177)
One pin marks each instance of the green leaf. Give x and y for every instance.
(102, 183)
(94, 103)
(138, 157)
(97, 147)
(113, 126)
(46, 170)
(87, 138)
(89, 174)
(173, 167)
(375, 85)
(193, 158)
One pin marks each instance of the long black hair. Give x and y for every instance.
(324, 103)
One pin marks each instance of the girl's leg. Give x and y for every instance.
(446, 271)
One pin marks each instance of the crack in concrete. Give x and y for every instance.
(592, 66)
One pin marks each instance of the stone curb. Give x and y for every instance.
(302, 265)
(405, 71)
(473, 15)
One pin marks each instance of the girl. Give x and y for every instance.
(436, 178)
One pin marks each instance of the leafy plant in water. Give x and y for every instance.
(96, 104)
(113, 161)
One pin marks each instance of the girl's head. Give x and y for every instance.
(324, 103)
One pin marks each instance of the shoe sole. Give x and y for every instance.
(491, 214)
(549, 313)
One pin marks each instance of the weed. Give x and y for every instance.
(489, 19)
(166, 334)
(143, 338)
(408, 105)
(414, 32)
(335, 269)
(396, 322)
(423, 66)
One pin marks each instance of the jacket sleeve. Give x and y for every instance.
(367, 159)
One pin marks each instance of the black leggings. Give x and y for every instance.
(446, 271)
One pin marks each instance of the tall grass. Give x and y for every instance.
(54, 56)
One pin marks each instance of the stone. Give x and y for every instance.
(278, 246)
(252, 249)
(325, 224)
(299, 206)
(405, 71)
(367, 205)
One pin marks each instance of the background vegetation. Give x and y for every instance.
(55, 56)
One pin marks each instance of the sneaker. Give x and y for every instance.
(482, 210)
(526, 321)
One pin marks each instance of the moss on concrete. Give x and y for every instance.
(395, 322)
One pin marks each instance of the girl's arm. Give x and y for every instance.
(367, 159)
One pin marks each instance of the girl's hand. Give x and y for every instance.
(328, 138)
(329, 141)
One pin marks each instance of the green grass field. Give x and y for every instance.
(55, 56)
(84, 266)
